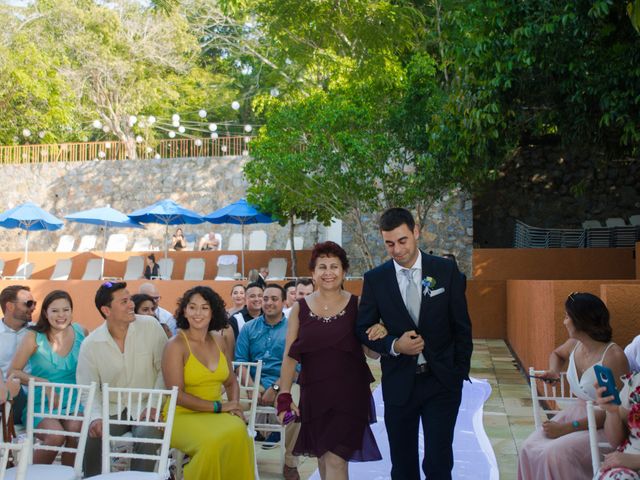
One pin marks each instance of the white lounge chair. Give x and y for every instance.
(191, 239)
(87, 243)
(591, 224)
(258, 240)
(634, 220)
(134, 269)
(235, 242)
(165, 268)
(615, 222)
(227, 267)
(62, 269)
(277, 269)
(66, 243)
(93, 270)
(141, 245)
(23, 272)
(298, 242)
(194, 270)
(1, 267)
(117, 242)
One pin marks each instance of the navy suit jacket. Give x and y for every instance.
(444, 325)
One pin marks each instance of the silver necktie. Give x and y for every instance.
(413, 301)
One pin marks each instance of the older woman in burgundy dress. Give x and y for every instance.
(336, 407)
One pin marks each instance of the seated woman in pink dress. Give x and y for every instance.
(561, 449)
(335, 398)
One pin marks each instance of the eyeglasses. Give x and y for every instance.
(28, 303)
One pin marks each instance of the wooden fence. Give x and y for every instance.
(115, 150)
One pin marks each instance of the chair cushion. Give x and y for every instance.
(50, 472)
(131, 476)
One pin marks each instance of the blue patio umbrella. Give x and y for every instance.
(239, 213)
(29, 217)
(106, 217)
(166, 212)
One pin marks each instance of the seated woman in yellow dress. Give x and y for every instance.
(210, 431)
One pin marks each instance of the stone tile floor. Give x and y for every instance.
(508, 419)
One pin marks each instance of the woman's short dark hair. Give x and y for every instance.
(139, 298)
(590, 315)
(104, 294)
(328, 249)
(43, 324)
(218, 312)
(152, 257)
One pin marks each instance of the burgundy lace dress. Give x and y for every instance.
(336, 407)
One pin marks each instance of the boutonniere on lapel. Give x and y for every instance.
(428, 287)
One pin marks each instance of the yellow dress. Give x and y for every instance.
(217, 443)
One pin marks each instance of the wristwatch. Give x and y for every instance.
(276, 387)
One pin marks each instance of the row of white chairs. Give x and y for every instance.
(548, 399)
(194, 269)
(118, 242)
(634, 220)
(136, 407)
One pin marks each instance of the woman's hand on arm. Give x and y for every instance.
(619, 459)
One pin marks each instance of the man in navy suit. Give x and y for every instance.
(427, 353)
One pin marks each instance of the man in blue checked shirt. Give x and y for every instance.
(264, 339)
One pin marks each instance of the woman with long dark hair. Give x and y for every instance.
(51, 348)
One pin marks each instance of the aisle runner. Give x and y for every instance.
(472, 452)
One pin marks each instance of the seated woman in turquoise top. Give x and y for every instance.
(50, 348)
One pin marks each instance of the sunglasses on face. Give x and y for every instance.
(28, 303)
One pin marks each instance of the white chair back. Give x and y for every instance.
(67, 405)
(191, 239)
(23, 272)
(634, 220)
(194, 270)
(20, 456)
(66, 243)
(1, 267)
(277, 269)
(227, 267)
(549, 398)
(117, 242)
(141, 245)
(93, 269)
(87, 243)
(135, 268)
(165, 268)
(132, 403)
(258, 240)
(62, 269)
(235, 241)
(298, 243)
(615, 222)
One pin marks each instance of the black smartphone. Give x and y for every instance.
(604, 375)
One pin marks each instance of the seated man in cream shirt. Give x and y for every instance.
(125, 351)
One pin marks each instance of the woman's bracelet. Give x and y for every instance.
(217, 406)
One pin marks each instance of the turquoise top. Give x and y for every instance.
(45, 363)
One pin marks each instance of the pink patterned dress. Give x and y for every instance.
(630, 397)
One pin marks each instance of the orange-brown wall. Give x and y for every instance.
(554, 263)
(638, 260)
(115, 262)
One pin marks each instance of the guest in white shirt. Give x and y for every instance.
(290, 299)
(17, 305)
(632, 351)
(165, 316)
(125, 351)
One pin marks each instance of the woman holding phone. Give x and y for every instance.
(622, 430)
(560, 449)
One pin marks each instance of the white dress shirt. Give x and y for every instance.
(165, 317)
(100, 359)
(9, 341)
(632, 351)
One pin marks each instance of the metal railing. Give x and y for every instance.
(115, 150)
(527, 236)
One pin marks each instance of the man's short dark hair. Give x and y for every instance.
(104, 295)
(255, 285)
(10, 294)
(289, 284)
(304, 281)
(283, 292)
(394, 217)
